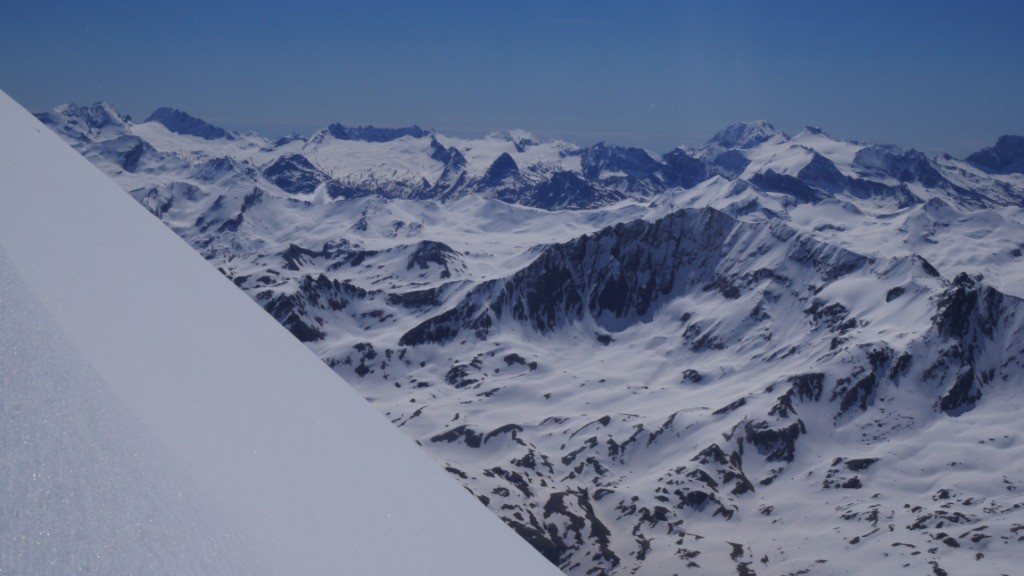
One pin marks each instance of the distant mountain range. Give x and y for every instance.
(772, 354)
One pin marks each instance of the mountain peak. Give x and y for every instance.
(744, 135)
(374, 134)
(1006, 156)
(502, 167)
(96, 117)
(181, 122)
(815, 131)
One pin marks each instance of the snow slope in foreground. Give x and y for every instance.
(155, 420)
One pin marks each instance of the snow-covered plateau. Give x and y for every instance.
(769, 355)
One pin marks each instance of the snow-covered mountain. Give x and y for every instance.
(154, 421)
(773, 354)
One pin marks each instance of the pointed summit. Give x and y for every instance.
(1006, 156)
(81, 121)
(815, 131)
(501, 168)
(744, 135)
(183, 123)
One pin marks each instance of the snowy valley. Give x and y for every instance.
(769, 355)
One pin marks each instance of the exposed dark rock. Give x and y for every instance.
(416, 299)
(502, 167)
(823, 174)
(635, 163)
(429, 252)
(565, 191)
(294, 310)
(735, 404)
(860, 464)
(681, 169)
(894, 293)
(295, 174)
(962, 396)
(374, 134)
(182, 123)
(449, 156)
(458, 376)
(861, 394)
(464, 433)
(771, 181)
(775, 444)
(729, 164)
(1005, 157)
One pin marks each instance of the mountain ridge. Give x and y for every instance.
(726, 359)
(155, 421)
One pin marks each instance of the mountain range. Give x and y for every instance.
(154, 420)
(771, 354)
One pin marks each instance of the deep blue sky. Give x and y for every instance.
(936, 75)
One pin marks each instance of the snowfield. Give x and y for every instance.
(155, 421)
(770, 355)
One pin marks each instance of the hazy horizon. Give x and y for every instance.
(937, 76)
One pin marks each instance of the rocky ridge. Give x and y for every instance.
(725, 359)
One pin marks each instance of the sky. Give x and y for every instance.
(939, 75)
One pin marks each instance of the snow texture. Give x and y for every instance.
(156, 421)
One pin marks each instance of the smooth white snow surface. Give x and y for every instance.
(156, 421)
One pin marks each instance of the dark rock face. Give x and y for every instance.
(771, 181)
(860, 394)
(634, 162)
(339, 191)
(963, 395)
(416, 299)
(567, 191)
(775, 444)
(1005, 157)
(374, 134)
(502, 167)
(903, 165)
(446, 326)
(453, 179)
(464, 433)
(505, 181)
(681, 169)
(297, 311)
(622, 274)
(729, 164)
(957, 307)
(821, 173)
(650, 259)
(449, 156)
(295, 174)
(182, 123)
(968, 315)
(437, 253)
(840, 477)
(130, 158)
